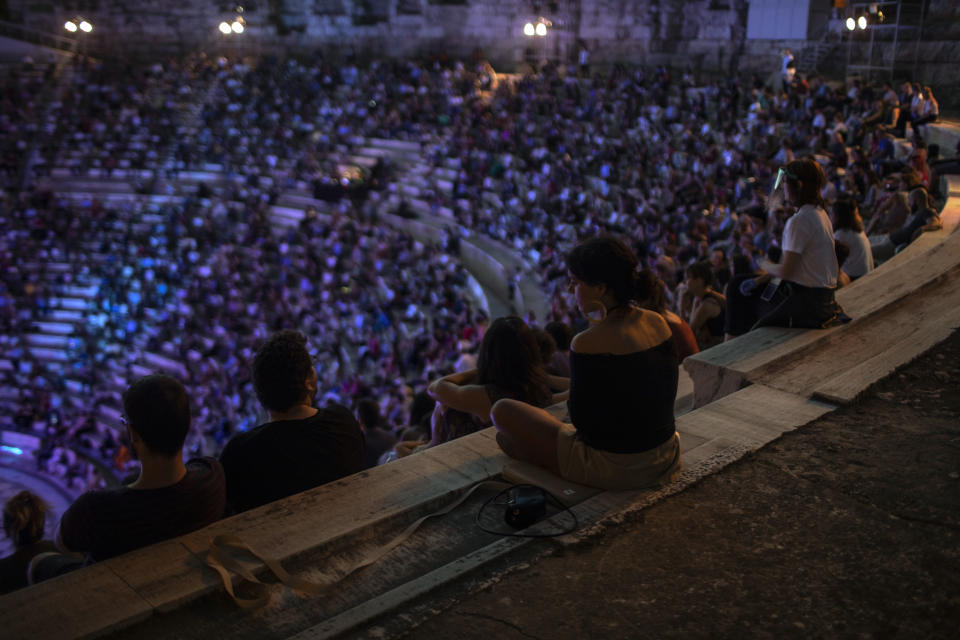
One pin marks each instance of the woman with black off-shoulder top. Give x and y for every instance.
(623, 384)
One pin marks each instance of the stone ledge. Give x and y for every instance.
(124, 594)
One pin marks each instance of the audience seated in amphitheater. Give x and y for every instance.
(536, 164)
(302, 446)
(195, 268)
(623, 384)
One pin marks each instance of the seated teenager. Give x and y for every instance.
(708, 305)
(509, 365)
(892, 211)
(848, 229)
(808, 270)
(623, 384)
(168, 499)
(302, 446)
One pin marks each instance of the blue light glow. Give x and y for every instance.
(14, 450)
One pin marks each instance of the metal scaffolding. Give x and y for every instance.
(880, 48)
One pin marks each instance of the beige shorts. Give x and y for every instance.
(583, 464)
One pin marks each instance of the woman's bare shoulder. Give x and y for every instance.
(655, 327)
(644, 329)
(585, 341)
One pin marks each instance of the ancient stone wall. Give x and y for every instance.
(708, 35)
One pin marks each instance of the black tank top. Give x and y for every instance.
(624, 403)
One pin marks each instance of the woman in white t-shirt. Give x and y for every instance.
(849, 230)
(929, 110)
(803, 294)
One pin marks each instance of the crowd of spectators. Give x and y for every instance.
(680, 171)
(202, 282)
(186, 278)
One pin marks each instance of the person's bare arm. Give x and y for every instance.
(471, 398)
(787, 268)
(558, 383)
(458, 378)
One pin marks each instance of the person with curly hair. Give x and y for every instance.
(23, 518)
(302, 446)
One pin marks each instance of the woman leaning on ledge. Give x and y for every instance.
(807, 271)
(623, 384)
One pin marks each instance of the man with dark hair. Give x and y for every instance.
(168, 499)
(301, 447)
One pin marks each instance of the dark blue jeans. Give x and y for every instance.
(793, 305)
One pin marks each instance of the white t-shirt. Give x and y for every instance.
(809, 233)
(860, 260)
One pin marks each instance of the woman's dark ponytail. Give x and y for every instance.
(644, 283)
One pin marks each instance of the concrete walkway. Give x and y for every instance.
(848, 527)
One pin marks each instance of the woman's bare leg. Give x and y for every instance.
(527, 433)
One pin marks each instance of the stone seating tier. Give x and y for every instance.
(145, 593)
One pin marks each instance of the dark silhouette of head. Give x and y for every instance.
(562, 334)
(809, 181)
(510, 358)
(368, 413)
(23, 518)
(847, 215)
(157, 408)
(607, 261)
(281, 371)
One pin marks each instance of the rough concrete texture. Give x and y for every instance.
(848, 527)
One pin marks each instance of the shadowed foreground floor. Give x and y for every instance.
(849, 527)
